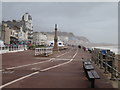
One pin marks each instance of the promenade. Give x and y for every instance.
(63, 69)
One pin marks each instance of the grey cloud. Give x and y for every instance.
(90, 19)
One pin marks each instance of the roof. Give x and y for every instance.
(13, 24)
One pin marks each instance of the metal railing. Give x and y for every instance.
(12, 49)
(43, 51)
(113, 71)
(107, 62)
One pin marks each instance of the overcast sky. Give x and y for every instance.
(98, 21)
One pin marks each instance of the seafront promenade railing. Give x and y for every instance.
(108, 62)
(43, 51)
(12, 49)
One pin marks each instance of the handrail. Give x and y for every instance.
(102, 61)
(12, 48)
(109, 66)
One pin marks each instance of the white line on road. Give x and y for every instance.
(60, 59)
(37, 62)
(42, 58)
(64, 53)
(38, 72)
(18, 79)
(61, 63)
(30, 64)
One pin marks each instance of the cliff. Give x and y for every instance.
(72, 39)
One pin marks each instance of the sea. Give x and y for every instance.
(115, 49)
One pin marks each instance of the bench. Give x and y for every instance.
(87, 66)
(87, 62)
(92, 75)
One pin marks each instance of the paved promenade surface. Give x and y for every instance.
(60, 70)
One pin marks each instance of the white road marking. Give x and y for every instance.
(61, 63)
(8, 72)
(37, 72)
(63, 54)
(18, 79)
(42, 58)
(60, 59)
(30, 64)
(34, 69)
(37, 62)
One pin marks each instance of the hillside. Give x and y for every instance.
(72, 39)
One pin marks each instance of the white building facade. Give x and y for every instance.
(22, 36)
(39, 38)
(28, 26)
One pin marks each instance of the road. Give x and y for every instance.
(63, 69)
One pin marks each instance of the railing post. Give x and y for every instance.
(112, 71)
(118, 83)
(9, 48)
(106, 59)
(93, 56)
(96, 57)
(118, 68)
(101, 61)
(12, 48)
(17, 47)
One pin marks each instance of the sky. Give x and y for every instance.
(98, 21)
(0, 12)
